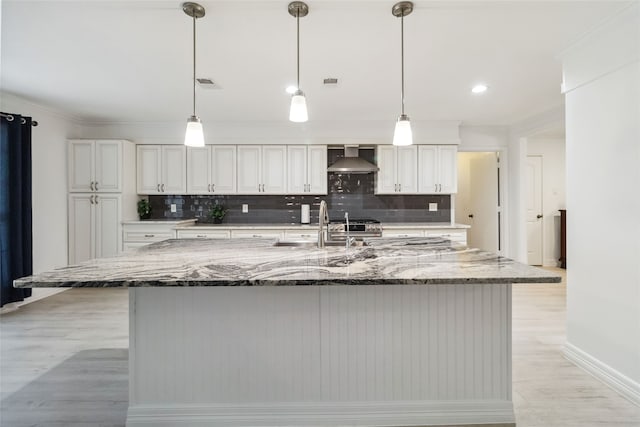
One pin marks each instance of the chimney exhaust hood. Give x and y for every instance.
(351, 163)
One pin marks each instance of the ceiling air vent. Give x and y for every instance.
(208, 83)
(330, 81)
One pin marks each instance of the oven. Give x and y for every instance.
(358, 228)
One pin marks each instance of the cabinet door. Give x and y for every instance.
(198, 170)
(173, 172)
(148, 169)
(428, 169)
(407, 169)
(223, 169)
(448, 159)
(297, 169)
(81, 165)
(107, 225)
(108, 164)
(249, 173)
(386, 177)
(81, 228)
(317, 169)
(274, 169)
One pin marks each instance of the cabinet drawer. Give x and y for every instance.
(310, 235)
(148, 236)
(401, 232)
(203, 234)
(454, 236)
(257, 234)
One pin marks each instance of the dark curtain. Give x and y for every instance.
(15, 206)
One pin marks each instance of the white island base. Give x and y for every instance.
(320, 355)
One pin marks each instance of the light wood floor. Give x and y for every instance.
(63, 362)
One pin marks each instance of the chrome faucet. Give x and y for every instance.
(348, 241)
(323, 219)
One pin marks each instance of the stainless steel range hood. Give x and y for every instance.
(351, 163)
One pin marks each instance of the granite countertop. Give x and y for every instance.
(168, 221)
(256, 262)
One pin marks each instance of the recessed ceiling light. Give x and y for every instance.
(291, 89)
(480, 88)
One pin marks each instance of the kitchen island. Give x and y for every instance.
(240, 332)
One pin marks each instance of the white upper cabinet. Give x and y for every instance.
(307, 169)
(161, 169)
(211, 169)
(95, 166)
(262, 169)
(398, 170)
(438, 165)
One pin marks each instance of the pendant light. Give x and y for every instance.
(402, 134)
(194, 136)
(298, 111)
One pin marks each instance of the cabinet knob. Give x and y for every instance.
(158, 188)
(163, 188)
(95, 185)
(95, 200)
(149, 235)
(209, 188)
(538, 216)
(470, 215)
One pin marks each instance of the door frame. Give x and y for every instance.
(503, 192)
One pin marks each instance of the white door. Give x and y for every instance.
(148, 169)
(428, 169)
(448, 169)
(534, 210)
(317, 169)
(198, 170)
(81, 228)
(81, 166)
(274, 169)
(174, 176)
(223, 169)
(386, 176)
(297, 169)
(407, 169)
(483, 202)
(108, 235)
(108, 160)
(249, 174)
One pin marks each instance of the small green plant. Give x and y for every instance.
(144, 209)
(217, 213)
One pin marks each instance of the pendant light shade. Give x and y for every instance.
(298, 111)
(402, 134)
(194, 136)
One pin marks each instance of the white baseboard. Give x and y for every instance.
(603, 372)
(324, 414)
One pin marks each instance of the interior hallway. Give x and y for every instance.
(63, 362)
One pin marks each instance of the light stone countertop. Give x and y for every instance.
(256, 262)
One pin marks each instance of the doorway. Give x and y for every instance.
(478, 201)
(534, 209)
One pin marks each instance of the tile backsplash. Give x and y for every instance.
(353, 193)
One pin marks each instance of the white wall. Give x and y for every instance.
(552, 152)
(602, 87)
(49, 184)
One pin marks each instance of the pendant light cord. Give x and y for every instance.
(402, 59)
(298, 44)
(194, 65)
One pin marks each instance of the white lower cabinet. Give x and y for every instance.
(94, 226)
(455, 235)
(408, 232)
(203, 234)
(257, 234)
(307, 235)
(138, 234)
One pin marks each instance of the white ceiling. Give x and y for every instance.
(114, 61)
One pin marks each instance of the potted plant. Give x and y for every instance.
(144, 209)
(217, 213)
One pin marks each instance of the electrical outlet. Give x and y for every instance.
(433, 207)
(174, 208)
(245, 208)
